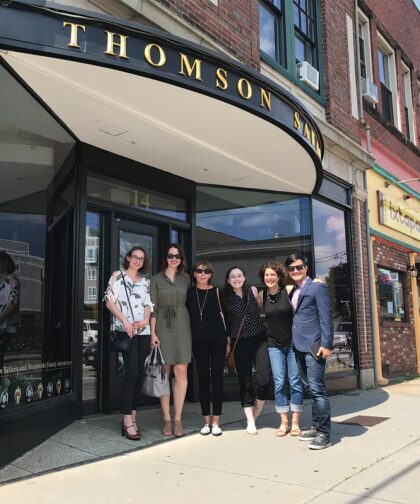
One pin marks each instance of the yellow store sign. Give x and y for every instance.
(394, 215)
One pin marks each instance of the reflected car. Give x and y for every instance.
(90, 332)
(90, 354)
(342, 334)
(90, 357)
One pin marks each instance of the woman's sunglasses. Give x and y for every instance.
(201, 270)
(174, 256)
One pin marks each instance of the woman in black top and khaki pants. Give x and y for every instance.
(209, 344)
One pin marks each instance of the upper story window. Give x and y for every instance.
(386, 92)
(272, 30)
(289, 39)
(388, 83)
(408, 104)
(365, 59)
(305, 32)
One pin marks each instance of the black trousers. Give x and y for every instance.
(210, 361)
(133, 373)
(251, 351)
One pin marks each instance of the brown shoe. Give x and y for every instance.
(167, 428)
(131, 437)
(178, 430)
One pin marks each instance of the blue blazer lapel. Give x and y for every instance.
(303, 292)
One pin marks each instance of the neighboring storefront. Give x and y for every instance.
(114, 135)
(394, 241)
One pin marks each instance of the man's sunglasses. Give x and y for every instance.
(174, 256)
(201, 270)
(299, 267)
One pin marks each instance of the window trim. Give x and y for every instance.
(290, 71)
(92, 293)
(388, 51)
(364, 22)
(403, 319)
(408, 103)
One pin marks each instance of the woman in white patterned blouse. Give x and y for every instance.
(127, 298)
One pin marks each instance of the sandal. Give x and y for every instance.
(295, 430)
(131, 437)
(167, 428)
(282, 430)
(178, 430)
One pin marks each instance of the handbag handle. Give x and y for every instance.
(220, 308)
(152, 358)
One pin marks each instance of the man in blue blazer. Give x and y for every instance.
(312, 341)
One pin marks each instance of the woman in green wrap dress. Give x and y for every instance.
(170, 328)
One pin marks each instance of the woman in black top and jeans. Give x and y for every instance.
(209, 343)
(244, 322)
(274, 300)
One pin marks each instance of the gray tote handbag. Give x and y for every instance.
(155, 380)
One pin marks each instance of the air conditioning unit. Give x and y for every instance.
(308, 74)
(369, 91)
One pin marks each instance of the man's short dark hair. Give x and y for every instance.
(296, 257)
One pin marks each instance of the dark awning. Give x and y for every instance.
(161, 100)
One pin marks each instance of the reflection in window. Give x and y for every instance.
(32, 366)
(271, 30)
(117, 191)
(92, 307)
(248, 227)
(390, 295)
(332, 267)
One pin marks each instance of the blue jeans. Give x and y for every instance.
(312, 372)
(285, 372)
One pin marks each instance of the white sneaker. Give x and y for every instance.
(216, 430)
(251, 428)
(205, 430)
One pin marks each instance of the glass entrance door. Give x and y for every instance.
(126, 235)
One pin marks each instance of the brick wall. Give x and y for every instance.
(362, 292)
(396, 141)
(336, 66)
(398, 345)
(233, 24)
(401, 20)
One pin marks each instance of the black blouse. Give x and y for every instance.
(210, 327)
(253, 325)
(278, 320)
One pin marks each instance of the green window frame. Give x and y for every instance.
(290, 31)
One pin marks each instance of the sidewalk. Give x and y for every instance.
(377, 463)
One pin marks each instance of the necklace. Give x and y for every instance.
(273, 299)
(201, 308)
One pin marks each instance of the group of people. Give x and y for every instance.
(292, 341)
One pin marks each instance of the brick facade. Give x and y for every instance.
(336, 66)
(361, 286)
(404, 37)
(398, 345)
(234, 25)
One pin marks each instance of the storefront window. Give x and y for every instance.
(246, 228)
(332, 267)
(34, 364)
(124, 193)
(92, 307)
(390, 295)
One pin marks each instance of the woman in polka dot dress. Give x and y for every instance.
(244, 322)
